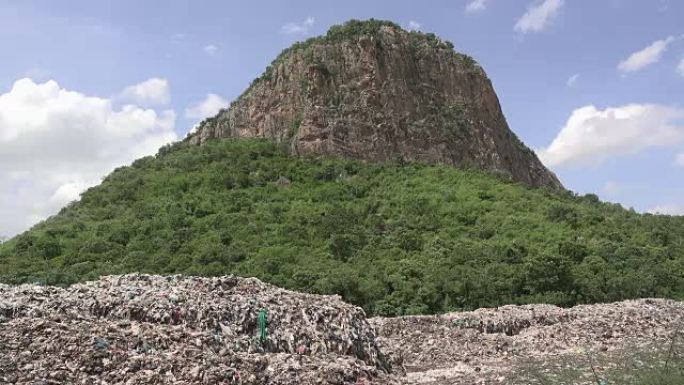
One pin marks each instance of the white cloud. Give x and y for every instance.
(151, 92)
(667, 209)
(680, 67)
(210, 106)
(298, 28)
(54, 143)
(539, 15)
(679, 159)
(413, 25)
(572, 80)
(592, 136)
(475, 6)
(647, 56)
(210, 49)
(664, 6)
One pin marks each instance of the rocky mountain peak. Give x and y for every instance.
(370, 90)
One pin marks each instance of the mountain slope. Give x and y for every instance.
(370, 90)
(395, 238)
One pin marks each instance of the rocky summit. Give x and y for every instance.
(370, 90)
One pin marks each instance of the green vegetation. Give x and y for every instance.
(352, 29)
(453, 119)
(394, 238)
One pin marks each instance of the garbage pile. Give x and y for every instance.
(141, 329)
(487, 346)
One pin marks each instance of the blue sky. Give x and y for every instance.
(151, 66)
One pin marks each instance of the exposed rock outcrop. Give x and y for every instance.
(373, 91)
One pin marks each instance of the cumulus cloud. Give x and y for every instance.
(298, 28)
(210, 49)
(151, 92)
(668, 209)
(210, 106)
(413, 25)
(645, 57)
(539, 15)
(680, 68)
(54, 143)
(572, 80)
(475, 6)
(592, 136)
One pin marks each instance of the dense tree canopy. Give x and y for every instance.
(394, 238)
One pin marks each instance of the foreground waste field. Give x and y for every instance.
(531, 344)
(140, 329)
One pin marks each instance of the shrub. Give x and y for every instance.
(416, 238)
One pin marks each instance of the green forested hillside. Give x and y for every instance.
(396, 239)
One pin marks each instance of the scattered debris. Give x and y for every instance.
(140, 329)
(487, 345)
(283, 182)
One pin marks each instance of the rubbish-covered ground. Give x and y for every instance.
(509, 344)
(140, 329)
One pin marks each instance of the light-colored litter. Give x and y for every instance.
(140, 329)
(487, 346)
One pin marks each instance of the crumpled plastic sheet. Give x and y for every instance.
(142, 329)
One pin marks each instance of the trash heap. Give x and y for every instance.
(487, 346)
(142, 329)
(510, 320)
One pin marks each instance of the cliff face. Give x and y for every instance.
(372, 91)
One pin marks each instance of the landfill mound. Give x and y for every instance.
(490, 346)
(141, 329)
